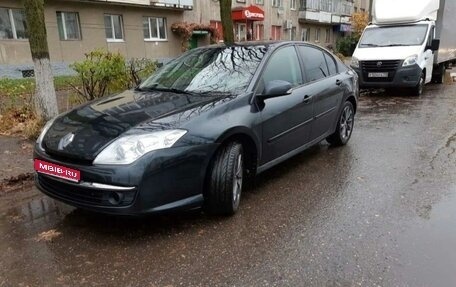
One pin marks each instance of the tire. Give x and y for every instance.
(225, 180)
(345, 124)
(439, 77)
(418, 90)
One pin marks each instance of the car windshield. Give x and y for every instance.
(221, 70)
(409, 35)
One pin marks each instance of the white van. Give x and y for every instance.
(409, 44)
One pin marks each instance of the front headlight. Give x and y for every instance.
(45, 129)
(412, 60)
(354, 62)
(127, 149)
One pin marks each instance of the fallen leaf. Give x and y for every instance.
(48, 235)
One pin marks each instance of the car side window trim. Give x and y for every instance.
(305, 75)
(326, 54)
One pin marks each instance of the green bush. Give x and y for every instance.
(103, 72)
(346, 45)
(100, 72)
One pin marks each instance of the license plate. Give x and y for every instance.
(378, 75)
(57, 170)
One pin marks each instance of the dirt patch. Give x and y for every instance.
(16, 183)
(16, 154)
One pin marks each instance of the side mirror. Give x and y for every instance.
(435, 45)
(276, 88)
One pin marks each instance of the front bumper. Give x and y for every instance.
(162, 180)
(403, 77)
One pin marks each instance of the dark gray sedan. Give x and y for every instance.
(196, 130)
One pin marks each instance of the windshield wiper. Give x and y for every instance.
(370, 45)
(396, 45)
(172, 90)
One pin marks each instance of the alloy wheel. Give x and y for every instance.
(237, 180)
(346, 123)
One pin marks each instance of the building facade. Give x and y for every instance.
(135, 28)
(141, 28)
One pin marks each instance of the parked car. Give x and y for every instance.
(191, 134)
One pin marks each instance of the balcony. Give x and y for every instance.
(172, 4)
(179, 4)
(315, 16)
(325, 11)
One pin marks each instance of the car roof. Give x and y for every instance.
(271, 43)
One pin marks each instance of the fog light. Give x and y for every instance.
(115, 198)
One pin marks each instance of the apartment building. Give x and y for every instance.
(141, 28)
(135, 28)
(317, 21)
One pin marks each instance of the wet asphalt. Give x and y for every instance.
(380, 211)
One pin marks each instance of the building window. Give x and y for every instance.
(113, 27)
(276, 3)
(260, 2)
(68, 24)
(154, 28)
(276, 32)
(305, 34)
(293, 4)
(317, 35)
(12, 24)
(328, 35)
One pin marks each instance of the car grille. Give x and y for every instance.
(83, 195)
(388, 66)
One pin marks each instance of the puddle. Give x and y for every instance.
(427, 249)
(33, 212)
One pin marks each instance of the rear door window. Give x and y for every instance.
(331, 64)
(315, 66)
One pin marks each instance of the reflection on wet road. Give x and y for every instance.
(380, 211)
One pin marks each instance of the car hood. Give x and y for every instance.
(83, 132)
(386, 53)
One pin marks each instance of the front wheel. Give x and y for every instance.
(226, 175)
(345, 126)
(418, 90)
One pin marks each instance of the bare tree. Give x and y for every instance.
(45, 99)
(227, 22)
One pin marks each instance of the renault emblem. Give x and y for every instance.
(379, 64)
(65, 141)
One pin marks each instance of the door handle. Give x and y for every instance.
(306, 99)
(338, 82)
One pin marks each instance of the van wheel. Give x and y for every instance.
(224, 186)
(439, 78)
(345, 126)
(418, 90)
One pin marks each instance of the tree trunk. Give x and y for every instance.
(227, 22)
(44, 99)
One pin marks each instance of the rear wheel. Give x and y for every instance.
(224, 186)
(345, 126)
(439, 76)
